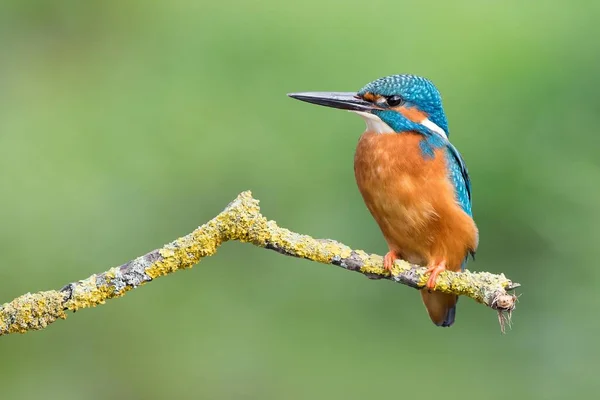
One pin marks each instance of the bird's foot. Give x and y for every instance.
(434, 271)
(389, 260)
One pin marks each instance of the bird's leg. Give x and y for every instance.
(434, 271)
(389, 259)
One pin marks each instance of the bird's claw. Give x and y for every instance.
(434, 271)
(389, 260)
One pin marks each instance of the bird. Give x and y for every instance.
(413, 181)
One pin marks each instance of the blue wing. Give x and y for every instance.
(460, 178)
(462, 183)
(456, 167)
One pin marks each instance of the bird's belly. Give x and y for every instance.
(403, 217)
(410, 198)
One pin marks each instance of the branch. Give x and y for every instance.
(241, 220)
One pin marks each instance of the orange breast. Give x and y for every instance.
(412, 200)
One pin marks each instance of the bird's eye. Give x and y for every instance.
(394, 101)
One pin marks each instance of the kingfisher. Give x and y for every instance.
(412, 179)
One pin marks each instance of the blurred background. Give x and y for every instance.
(125, 124)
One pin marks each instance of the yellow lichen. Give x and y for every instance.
(31, 312)
(89, 293)
(110, 274)
(372, 264)
(187, 250)
(400, 266)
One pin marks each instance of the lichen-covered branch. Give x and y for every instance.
(241, 220)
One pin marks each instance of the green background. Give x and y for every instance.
(125, 124)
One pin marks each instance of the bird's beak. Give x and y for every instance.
(342, 100)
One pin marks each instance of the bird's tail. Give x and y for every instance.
(440, 306)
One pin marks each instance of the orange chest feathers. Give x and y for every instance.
(412, 199)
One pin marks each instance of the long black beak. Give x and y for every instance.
(343, 100)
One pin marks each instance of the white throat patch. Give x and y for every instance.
(434, 128)
(374, 123)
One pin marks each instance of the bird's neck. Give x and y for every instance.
(375, 124)
(386, 121)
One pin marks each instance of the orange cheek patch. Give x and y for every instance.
(412, 113)
(370, 97)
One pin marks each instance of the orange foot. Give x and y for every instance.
(435, 271)
(389, 259)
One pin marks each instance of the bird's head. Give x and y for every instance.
(392, 104)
